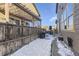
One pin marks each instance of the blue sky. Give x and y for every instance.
(47, 12)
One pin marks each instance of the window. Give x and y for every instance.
(65, 25)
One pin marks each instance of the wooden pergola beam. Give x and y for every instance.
(27, 19)
(7, 12)
(26, 10)
(36, 8)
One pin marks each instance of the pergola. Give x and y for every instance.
(17, 10)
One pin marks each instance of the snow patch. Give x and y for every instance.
(64, 50)
(38, 47)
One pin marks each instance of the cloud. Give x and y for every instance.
(53, 18)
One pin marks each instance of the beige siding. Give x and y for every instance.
(74, 35)
(76, 16)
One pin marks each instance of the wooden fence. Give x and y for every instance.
(13, 37)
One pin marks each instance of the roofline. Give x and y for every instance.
(36, 8)
(56, 7)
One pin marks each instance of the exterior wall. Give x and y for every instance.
(76, 24)
(73, 33)
(61, 8)
(76, 17)
(75, 38)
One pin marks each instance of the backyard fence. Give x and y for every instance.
(13, 37)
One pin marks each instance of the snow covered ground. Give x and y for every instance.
(38, 47)
(42, 47)
(63, 49)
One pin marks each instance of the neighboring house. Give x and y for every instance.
(19, 13)
(68, 23)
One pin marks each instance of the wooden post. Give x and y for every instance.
(33, 24)
(40, 24)
(7, 12)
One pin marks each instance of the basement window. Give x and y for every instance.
(65, 27)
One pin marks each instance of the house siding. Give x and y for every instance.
(74, 35)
